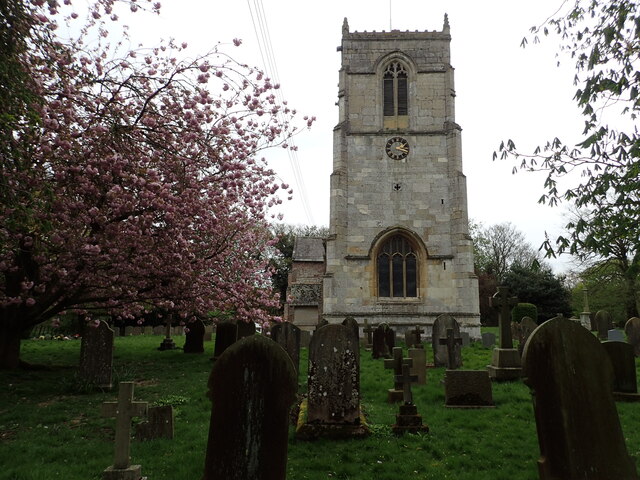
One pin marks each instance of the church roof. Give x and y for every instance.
(308, 249)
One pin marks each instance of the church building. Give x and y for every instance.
(398, 249)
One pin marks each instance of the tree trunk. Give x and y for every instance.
(9, 348)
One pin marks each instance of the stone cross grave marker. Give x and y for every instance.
(504, 303)
(379, 349)
(505, 360)
(395, 394)
(408, 419)
(405, 380)
(194, 337)
(451, 342)
(603, 324)
(123, 410)
(368, 331)
(623, 361)
(252, 386)
(226, 335)
(167, 342)
(632, 329)
(439, 330)
(287, 335)
(578, 428)
(96, 354)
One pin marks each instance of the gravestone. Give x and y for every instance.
(159, 424)
(389, 337)
(379, 349)
(128, 331)
(137, 330)
(505, 360)
(148, 330)
(96, 354)
(578, 428)
(226, 335)
(123, 410)
(603, 324)
(353, 326)
(466, 339)
(467, 389)
(453, 345)
(321, 323)
(526, 328)
(408, 420)
(615, 335)
(252, 387)
(158, 330)
(419, 367)
(623, 361)
(586, 318)
(440, 351)
(167, 342)
(332, 407)
(395, 394)
(208, 333)
(368, 332)
(488, 339)
(413, 338)
(194, 337)
(245, 329)
(632, 329)
(287, 335)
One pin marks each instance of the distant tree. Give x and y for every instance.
(129, 180)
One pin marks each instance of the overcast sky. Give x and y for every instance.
(503, 91)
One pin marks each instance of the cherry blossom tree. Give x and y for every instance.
(132, 179)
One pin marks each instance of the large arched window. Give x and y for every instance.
(395, 94)
(397, 268)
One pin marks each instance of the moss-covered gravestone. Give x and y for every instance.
(287, 335)
(252, 386)
(579, 432)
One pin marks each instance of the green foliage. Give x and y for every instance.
(606, 291)
(522, 310)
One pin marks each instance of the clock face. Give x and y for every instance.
(397, 148)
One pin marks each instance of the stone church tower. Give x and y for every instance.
(399, 249)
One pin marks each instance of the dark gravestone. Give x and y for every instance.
(158, 330)
(467, 389)
(603, 324)
(389, 337)
(251, 387)
(368, 331)
(506, 361)
(466, 339)
(488, 339)
(159, 424)
(623, 361)
(96, 354)
(525, 329)
(246, 329)
(379, 349)
(396, 363)
(194, 337)
(321, 323)
(408, 420)
(578, 428)
(632, 329)
(453, 345)
(353, 326)
(287, 335)
(226, 335)
(440, 351)
(419, 365)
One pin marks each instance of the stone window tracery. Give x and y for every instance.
(397, 268)
(395, 91)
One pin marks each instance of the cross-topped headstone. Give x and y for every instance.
(450, 341)
(396, 364)
(416, 335)
(501, 300)
(405, 379)
(123, 410)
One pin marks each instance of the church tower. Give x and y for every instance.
(399, 249)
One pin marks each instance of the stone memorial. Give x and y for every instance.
(226, 335)
(287, 335)
(505, 360)
(579, 432)
(245, 329)
(158, 330)
(194, 337)
(632, 329)
(488, 339)
(96, 354)
(159, 424)
(368, 332)
(615, 335)
(419, 366)
(468, 389)
(379, 349)
(408, 420)
(252, 387)
(395, 394)
(526, 328)
(389, 337)
(128, 331)
(137, 330)
(439, 332)
(208, 333)
(603, 324)
(623, 361)
(148, 330)
(123, 410)
(466, 339)
(167, 342)
(321, 323)
(332, 408)
(586, 318)
(353, 326)
(453, 345)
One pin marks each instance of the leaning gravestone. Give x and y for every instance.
(226, 335)
(578, 428)
(623, 360)
(287, 335)
(251, 387)
(632, 329)
(440, 350)
(159, 424)
(246, 329)
(379, 348)
(194, 337)
(96, 354)
(603, 323)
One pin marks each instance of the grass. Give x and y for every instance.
(50, 423)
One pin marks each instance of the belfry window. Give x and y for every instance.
(395, 92)
(397, 269)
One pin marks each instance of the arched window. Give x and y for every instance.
(395, 93)
(397, 268)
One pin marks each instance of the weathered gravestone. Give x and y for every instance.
(488, 339)
(158, 330)
(453, 346)
(321, 323)
(466, 339)
(440, 350)
(245, 329)
(408, 420)
(287, 335)
(332, 407)
(353, 326)
(138, 330)
(632, 329)
(419, 366)
(523, 330)
(368, 332)
(128, 331)
(413, 338)
(148, 330)
(389, 337)
(226, 335)
(467, 389)
(123, 410)
(251, 387)
(578, 428)
(615, 335)
(159, 424)
(395, 394)
(96, 354)
(379, 349)
(623, 361)
(505, 360)
(167, 342)
(603, 324)
(194, 337)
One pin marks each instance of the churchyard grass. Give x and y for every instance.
(51, 427)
